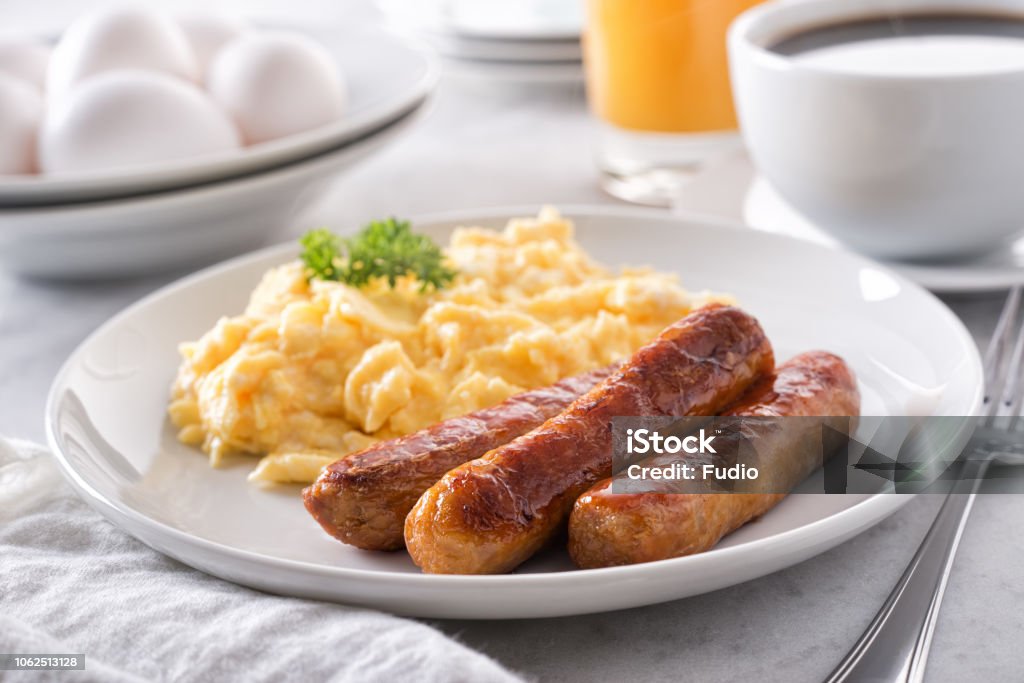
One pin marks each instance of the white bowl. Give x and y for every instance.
(160, 231)
(404, 73)
(897, 166)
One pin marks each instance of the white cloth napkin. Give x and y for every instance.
(71, 582)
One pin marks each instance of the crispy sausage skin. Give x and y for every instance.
(363, 498)
(608, 529)
(491, 514)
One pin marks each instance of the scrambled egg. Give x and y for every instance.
(314, 370)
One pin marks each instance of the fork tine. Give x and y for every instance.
(996, 356)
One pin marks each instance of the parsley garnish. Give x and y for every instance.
(383, 249)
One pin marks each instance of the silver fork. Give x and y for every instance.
(895, 645)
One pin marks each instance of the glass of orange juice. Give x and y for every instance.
(658, 82)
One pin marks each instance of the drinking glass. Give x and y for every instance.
(658, 83)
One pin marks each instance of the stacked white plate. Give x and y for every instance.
(528, 41)
(192, 211)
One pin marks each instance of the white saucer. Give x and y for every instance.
(729, 187)
(763, 209)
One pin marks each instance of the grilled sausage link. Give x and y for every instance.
(491, 514)
(363, 498)
(607, 529)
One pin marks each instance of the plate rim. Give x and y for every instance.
(880, 504)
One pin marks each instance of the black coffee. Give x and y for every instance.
(913, 44)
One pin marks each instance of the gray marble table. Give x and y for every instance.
(481, 146)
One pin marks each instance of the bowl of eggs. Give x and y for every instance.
(141, 140)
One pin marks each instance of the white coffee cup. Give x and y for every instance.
(897, 165)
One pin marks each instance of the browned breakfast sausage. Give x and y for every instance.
(363, 498)
(491, 514)
(607, 529)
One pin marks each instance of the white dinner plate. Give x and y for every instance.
(107, 424)
(403, 74)
(766, 210)
(538, 20)
(502, 74)
(529, 51)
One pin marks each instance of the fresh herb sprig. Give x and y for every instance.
(386, 249)
(322, 254)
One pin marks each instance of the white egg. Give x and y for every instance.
(119, 38)
(276, 84)
(25, 58)
(131, 119)
(20, 110)
(208, 32)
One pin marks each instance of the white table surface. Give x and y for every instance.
(482, 146)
